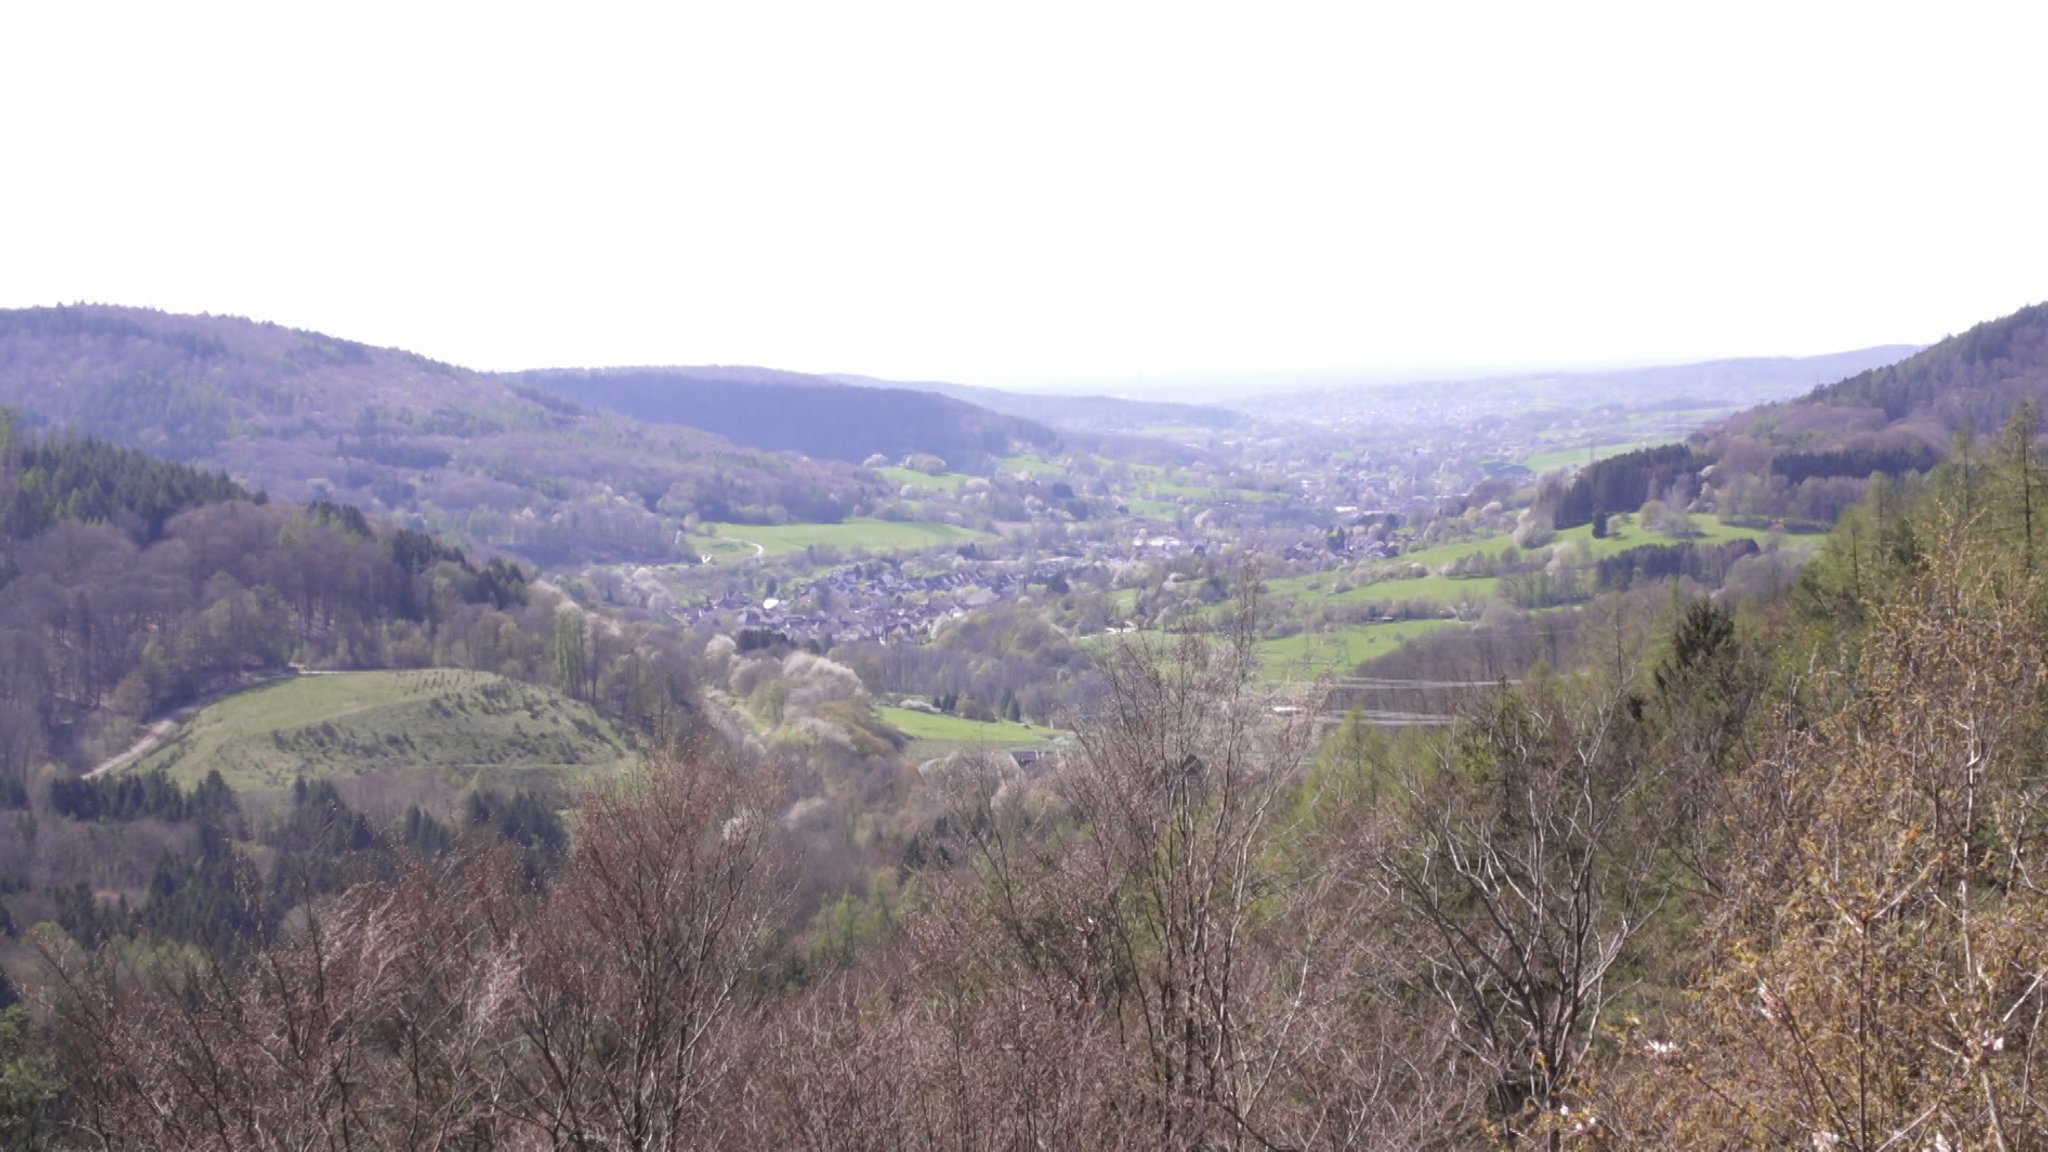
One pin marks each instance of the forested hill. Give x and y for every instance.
(45, 481)
(1805, 461)
(307, 416)
(817, 416)
(1975, 378)
(1081, 413)
(130, 585)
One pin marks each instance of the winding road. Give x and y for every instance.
(154, 735)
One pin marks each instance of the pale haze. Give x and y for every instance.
(1035, 194)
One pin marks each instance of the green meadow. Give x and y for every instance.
(466, 727)
(861, 532)
(1308, 655)
(1555, 458)
(911, 477)
(935, 735)
(1037, 466)
(1623, 534)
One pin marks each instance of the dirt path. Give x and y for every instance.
(156, 733)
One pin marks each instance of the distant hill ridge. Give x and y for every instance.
(1803, 461)
(1082, 413)
(821, 417)
(1977, 376)
(306, 416)
(1735, 382)
(1969, 380)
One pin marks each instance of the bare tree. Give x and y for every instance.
(1181, 782)
(636, 993)
(455, 1007)
(1878, 978)
(373, 1024)
(1524, 862)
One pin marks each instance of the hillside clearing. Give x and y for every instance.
(862, 532)
(465, 727)
(1305, 656)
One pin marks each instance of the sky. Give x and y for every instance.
(1043, 194)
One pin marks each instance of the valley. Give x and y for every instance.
(968, 578)
(936, 671)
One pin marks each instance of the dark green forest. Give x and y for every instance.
(818, 417)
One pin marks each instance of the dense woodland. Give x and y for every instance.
(818, 417)
(1807, 460)
(130, 585)
(481, 459)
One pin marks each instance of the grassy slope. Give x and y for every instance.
(1307, 655)
(1623, 536)
(1441, 589)
(943, 482)
(1036, 465)
(861, 532)
(1541, 462)
(462, 726)
(936, 735)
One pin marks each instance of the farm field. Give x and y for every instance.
(1446, 590)
(465, 727)
(1156, 509)
(721, 548)
(932, 735)
(1301, 657)
(943, 482)
(862, 532)
(1307, 655)
(1032, 464)
(1623, 534)
(1547, 461)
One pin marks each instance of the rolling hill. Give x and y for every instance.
(1073, 413)
(817, 416)
(1725, 384)
(1803, 461)
(1808, 458)
(483, 458)
(1972, 379)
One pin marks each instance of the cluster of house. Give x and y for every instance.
(858, 602)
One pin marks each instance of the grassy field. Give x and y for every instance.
(721, 548)
(1208, 494)
(1297, 658)
(1156, 509)
(466, 727)
(943, 482)
(1438, 589)
(1623, 534)
(1153, 480)
(937, 735)
(1542, 462)
(861, 532)
(1446, 553)
(1307, 655)
(1031, 464)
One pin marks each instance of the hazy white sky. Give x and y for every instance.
(1019, 193)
